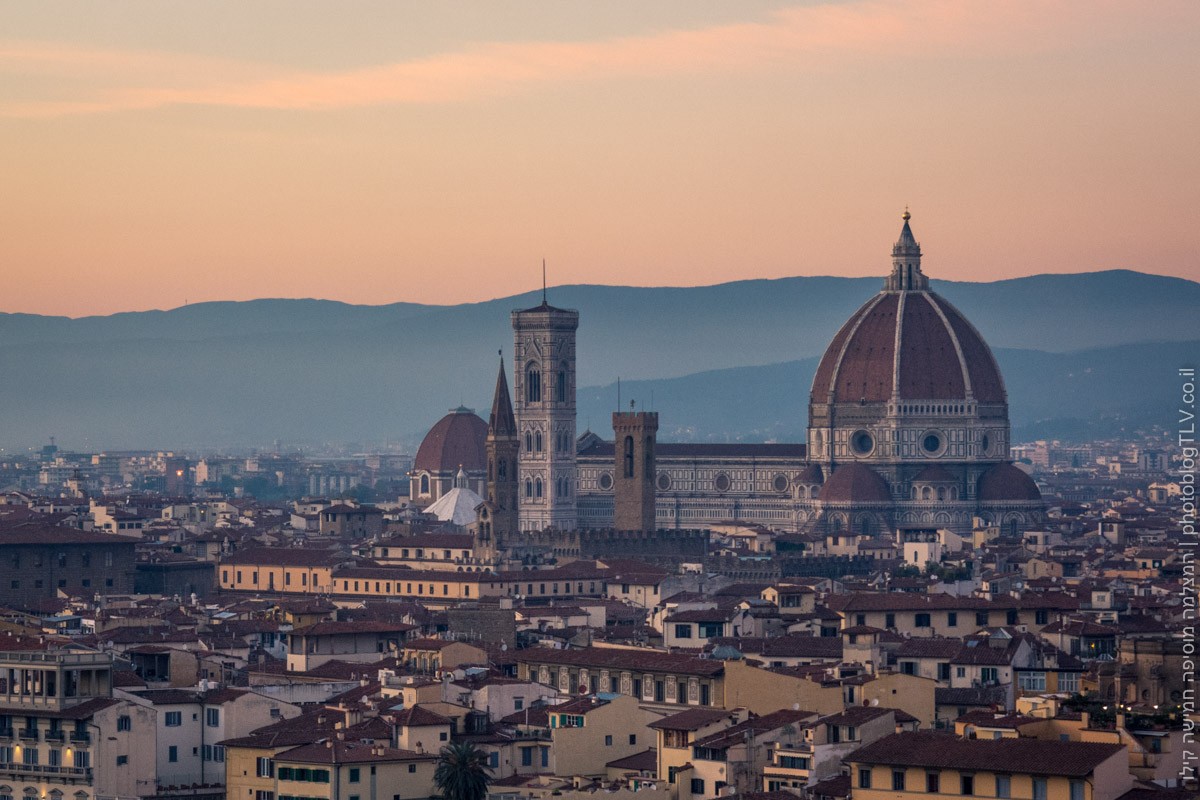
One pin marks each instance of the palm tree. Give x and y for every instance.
(462, 772)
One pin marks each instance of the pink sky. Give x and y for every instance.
(170, 153)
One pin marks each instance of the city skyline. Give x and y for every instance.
(176, 155)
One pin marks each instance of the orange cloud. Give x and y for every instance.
(813, 37)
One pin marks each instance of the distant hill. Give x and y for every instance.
(310, 371)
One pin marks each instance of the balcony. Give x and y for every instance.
(61, 773)
(29, 734)
(81, 737)
(55, 736)
(6, 733)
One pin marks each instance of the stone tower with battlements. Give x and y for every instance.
(544, 386)
(635, 434)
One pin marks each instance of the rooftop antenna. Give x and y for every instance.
(544, 280)
(618, 393)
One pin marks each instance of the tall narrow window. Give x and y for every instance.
(537, 441)
(533, 384)
(628, 456)
(537, 487)
(561, 389)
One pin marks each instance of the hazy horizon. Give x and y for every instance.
(551, 288)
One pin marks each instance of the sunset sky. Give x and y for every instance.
(157, 153)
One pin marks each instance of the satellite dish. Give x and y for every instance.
(875, 701)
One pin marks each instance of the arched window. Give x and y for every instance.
(560, 389)
(537, 441)
(941, 494)
(537, 487)
(927, 493)
(424, 484)
(648, 456)
(628, 456)
(528, 442)
(502, 469)
(490, 470)
(533, 384)
(528, 488)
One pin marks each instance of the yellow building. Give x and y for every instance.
(249, 760)
(763, 691)
(947, 615)
(677, 732)
(430, 587)
(283, 570)
(340, 769)
(918, 765)
(588, 732)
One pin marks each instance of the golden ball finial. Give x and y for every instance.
(906, 216)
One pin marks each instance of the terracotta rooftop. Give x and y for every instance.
(1015, 755)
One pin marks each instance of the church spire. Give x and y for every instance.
(502, 422)
(906, 262)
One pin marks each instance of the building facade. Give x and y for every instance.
(544, 384)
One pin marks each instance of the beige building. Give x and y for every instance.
(62, 734)
(918, 765)
(340, 769)
(763, 691)
(676, 734)
(655, 678)
(588, 732)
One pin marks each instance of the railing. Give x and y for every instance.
(55, 736)
(29, 734)
(44, 769)
(56, 657)
(81, 737)
(6, 733)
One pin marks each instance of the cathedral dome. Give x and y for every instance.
(457, 440)
(1007, 483)
(855, 483)
(912, 345)
(908, 343)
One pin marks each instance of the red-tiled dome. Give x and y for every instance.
(940, 354)
(810, 475)
(855, 483)
(1007, 483)
(458, 439)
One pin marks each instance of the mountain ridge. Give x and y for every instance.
(229, 372)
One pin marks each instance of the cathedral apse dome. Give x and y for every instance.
(456, 442)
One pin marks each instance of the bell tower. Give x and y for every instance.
(502, 452)
(544, 384)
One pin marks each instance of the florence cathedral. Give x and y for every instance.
(907, 429)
